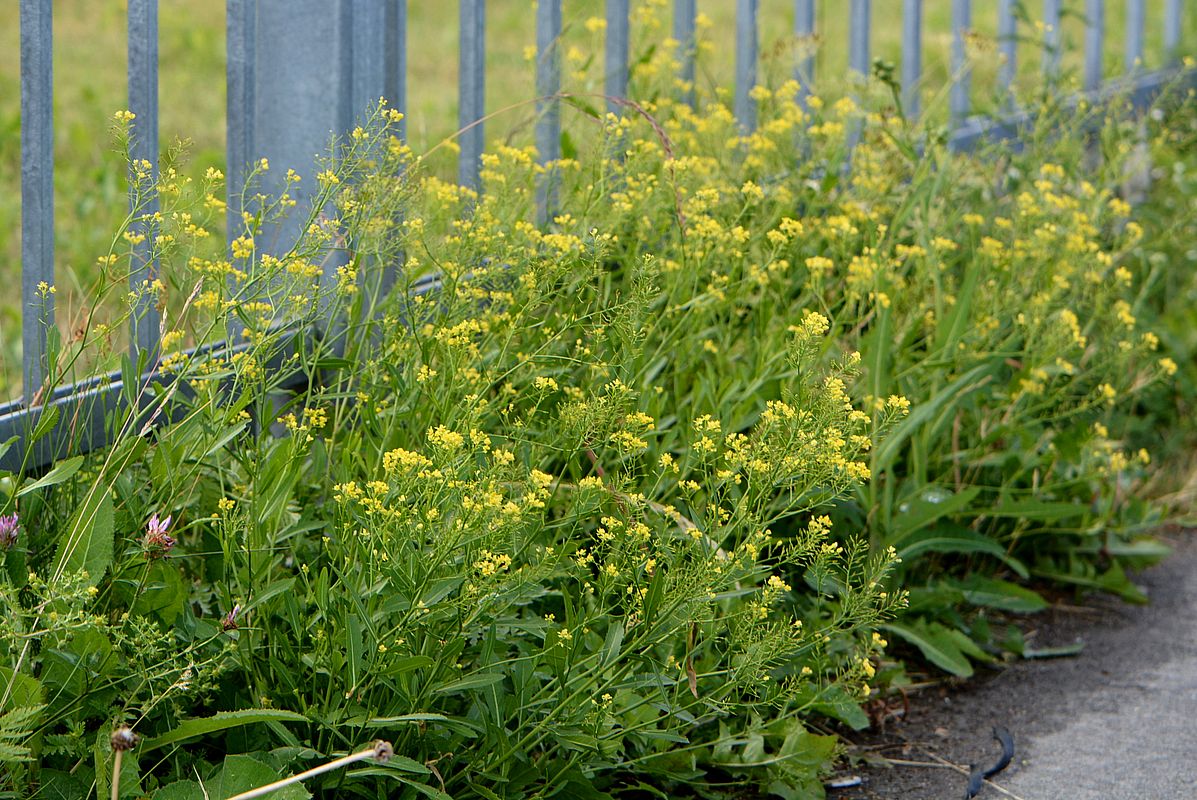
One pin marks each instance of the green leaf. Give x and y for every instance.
(1003, 595)
(180, 790)
(56, 785)
(836, 703)
(612, 644)
(1037, 510)
(935, 643)
(932, 504)
(55, 476)
(224, 720)
(162, 594)
(6, 446)
(16, 729)
(45, 423)
(923, 412)
(958, 539)
(460, 726)
(88, 542)
(478, 681)
(407, 765)
(353, 647)
(241, 773)
(568, 148)
(25, 691)
(1113, 580)
(1150, 549)
(1063, 651)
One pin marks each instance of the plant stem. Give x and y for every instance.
(116, 774)
(379, 751)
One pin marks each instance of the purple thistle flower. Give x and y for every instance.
(157, 541)
(229, 623)
(9, 528)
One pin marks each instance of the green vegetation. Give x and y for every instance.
(89, 64)
(652, 499)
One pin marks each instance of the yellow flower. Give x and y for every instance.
(445, 439)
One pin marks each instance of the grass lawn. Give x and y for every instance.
(89, 64)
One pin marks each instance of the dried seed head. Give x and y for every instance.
(383, 751)
(123, 738)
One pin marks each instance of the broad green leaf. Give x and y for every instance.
(25, 691)
(56, 785)
(55, 476)
(241, 773)
(88, 542)
(224, 720)
(932, 504)
(935, 644)
(958, 539)
(838, 704)
(994, 593)
(180, 790)
(162, 593)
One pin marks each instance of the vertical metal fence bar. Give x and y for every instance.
(615, 63)
(548, 105)
(395, 81)
(858, 37)
(1095, 34)
(962, 20)
(685, 12)
(367, 64)
(746, 56)
(472, 91)
(1008, 45)
(395, 91)
(240, 41)
(143, 197)
(912, 55)
(1172, 23)
(37, 191)
(804, 28)
(1051, 38)
(1135, 23)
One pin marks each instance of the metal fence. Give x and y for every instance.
(298, 70)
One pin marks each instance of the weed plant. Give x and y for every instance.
(614, 504)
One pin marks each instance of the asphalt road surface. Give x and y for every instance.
(1117, 721)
